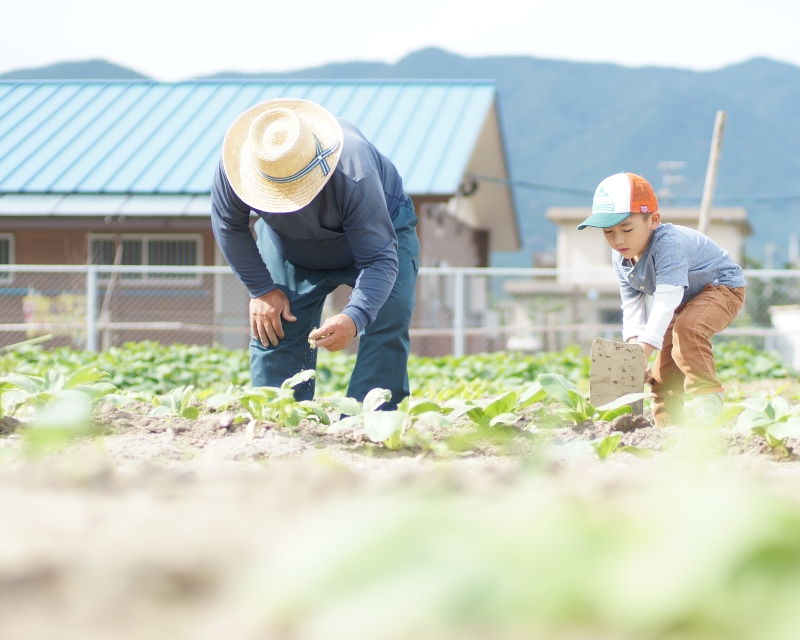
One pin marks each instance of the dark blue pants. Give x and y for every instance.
(384, 345)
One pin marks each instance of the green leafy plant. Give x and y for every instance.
(176, 403)
(66, 419)
(774, 419)
(378, 426)
(576, 408)
(394, 429)
(222, 401)
(610, 444)
(413, 437)
(278, 405)
(495, 412)
(38, 393)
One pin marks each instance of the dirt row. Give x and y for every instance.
(165, 527)
(130, 434)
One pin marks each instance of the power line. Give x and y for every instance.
(531, 185)
(525, 184)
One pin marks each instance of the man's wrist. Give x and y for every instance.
(356, 316)
(263, 293)
(352, 324)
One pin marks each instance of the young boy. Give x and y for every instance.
(697, 291)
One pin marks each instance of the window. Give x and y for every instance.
(6, 256)
(148, 250)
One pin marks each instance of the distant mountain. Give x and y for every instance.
(572, 124)
(83, 70)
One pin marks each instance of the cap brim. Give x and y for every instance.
(603, 220)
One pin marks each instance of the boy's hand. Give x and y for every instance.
(648, 351)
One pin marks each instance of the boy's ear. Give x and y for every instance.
(655, 219)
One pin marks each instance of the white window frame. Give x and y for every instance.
(8, 276)
(148, 279)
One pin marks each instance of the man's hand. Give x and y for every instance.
(335, 333)
(265, 316)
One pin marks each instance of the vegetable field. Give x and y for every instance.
(150, 488)
(146, 367)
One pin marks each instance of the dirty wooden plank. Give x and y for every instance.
(617, 369)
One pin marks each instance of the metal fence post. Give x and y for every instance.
(458, 314)
(91, 308)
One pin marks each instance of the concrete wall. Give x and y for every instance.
(445, 240)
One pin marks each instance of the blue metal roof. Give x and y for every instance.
(147, 137)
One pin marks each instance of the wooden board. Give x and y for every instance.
(617, 369)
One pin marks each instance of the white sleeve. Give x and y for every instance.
(665, 301)
(634, 316)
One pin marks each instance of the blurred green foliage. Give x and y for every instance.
(675, 555)
(150, 369)
(737, 361)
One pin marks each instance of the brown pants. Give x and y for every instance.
(685, 363)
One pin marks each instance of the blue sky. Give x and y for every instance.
(174, 39)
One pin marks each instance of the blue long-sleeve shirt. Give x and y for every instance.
(348, 222)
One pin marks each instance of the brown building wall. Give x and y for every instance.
(64, 240)
(443, 239)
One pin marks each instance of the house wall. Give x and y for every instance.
(445, 240)
(217, 300)
(490, 205)
(585, 249)
(64, 241)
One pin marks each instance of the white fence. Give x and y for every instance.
(459, 310)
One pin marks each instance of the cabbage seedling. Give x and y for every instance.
(387, 427)
(576, 408)
(774, 419)
(278, 405)
(176, 403)
(604, 447)
(40, 392)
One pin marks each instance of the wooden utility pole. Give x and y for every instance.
(711, 172)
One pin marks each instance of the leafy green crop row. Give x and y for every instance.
(149, 368)
(80, 393)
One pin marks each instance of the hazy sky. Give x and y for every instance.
(173, 39)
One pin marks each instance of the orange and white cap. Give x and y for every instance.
(619, 196)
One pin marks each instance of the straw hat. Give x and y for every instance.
(280, 153)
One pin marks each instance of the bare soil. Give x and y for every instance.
(151, 530)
